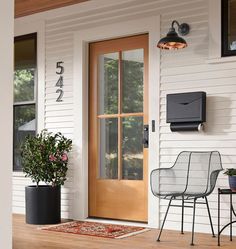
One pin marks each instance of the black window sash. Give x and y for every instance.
(225, 51)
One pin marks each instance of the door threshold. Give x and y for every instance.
(117, 222)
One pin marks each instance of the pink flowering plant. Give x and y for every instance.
(45, 157)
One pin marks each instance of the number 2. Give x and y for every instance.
(60, 91)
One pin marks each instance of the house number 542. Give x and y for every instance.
(59, 84)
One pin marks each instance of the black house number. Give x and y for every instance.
(59, 71)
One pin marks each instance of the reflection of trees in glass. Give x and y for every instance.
(132, 102)
(24, 124)
(24, 85)
(132, 86)
(111, 166)
(109, 148)
(112, 149)
(110, 86)
(132, 147)
(24, 92)
(23, 115)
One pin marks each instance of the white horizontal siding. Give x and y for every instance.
(59, 47)
(181, 71)
(186, 71)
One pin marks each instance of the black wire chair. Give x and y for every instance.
(192, 176)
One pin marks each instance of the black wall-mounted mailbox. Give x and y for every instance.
(186, 111)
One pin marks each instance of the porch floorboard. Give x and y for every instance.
(29, 237)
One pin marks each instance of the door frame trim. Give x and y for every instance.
(150, 25)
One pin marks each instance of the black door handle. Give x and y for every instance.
(145, 136)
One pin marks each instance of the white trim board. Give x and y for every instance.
(6, 113)
(150, 25)
(214, 18)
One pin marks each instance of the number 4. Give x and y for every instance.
(60, 82)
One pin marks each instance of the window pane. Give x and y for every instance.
(109, 148)
(108, 83)
(132, 81)
(232, 25)
(132, 148)
(24, 124)
(25, 68)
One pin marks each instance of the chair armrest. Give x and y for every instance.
(155, 180)
(213, 179)
(156, 172)
(159, 169)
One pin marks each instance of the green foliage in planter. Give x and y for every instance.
(230, 172)
(44, 157)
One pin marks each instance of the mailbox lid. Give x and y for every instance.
(186, 107)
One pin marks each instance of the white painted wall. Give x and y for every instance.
(6, 83)
(195, 68)
(190, 70)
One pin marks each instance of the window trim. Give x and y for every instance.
(224, 30)
(34, 102)
(23, 37)
(214, 35)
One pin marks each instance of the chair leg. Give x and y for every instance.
(182, 218)
(209, 214)
(158, 239)
(194, 208)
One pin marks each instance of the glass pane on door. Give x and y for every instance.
(108, 83)
(109, 148)
(120, 98)
(132, 148)
(132, 81)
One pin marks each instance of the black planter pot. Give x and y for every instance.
(43, 204)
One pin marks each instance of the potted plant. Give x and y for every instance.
(45, 159)
(232, 178)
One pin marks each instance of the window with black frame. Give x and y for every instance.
(24, 108)
(228, 27)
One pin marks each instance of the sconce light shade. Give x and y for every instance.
(172, 40)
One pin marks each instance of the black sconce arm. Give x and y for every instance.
(183, 28)
(173, 22)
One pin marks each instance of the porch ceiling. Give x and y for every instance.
(28, 7)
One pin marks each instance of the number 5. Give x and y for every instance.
(60, 67)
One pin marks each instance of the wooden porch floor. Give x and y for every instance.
(29, 237)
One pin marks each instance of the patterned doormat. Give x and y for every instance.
(96, 229)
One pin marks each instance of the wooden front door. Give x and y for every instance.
(118, 111)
